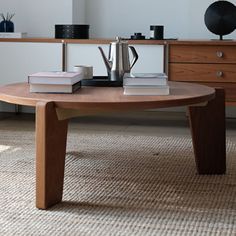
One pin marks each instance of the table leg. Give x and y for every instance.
(51, 135)
(207, 125)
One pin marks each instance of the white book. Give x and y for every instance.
(54, 88)
(147, 90)
(55, 77)
(146, 75)
(13, 35)
(145, 79)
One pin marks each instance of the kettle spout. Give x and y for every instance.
(107, 63)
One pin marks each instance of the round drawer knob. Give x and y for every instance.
(219, 54)
(219, 74)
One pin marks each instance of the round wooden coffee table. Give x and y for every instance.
(206, 115)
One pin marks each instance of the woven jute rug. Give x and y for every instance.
(116, 184)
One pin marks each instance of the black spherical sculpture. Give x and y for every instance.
(220, 18)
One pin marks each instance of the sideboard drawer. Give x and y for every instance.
(202, 53)
(202, 72)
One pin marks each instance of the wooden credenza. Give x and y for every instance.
(211, 62)
(208, 62)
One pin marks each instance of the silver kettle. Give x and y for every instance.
(118, 59)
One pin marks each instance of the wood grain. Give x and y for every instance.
(109, 98)
(187, 72)
(212, 63)
(208, 135)
(202, 54)
(81, 41)
(202, 42)
(51, 136)
(229, 89)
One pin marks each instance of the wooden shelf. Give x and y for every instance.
(81, 41)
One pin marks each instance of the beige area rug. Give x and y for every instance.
(116, 184)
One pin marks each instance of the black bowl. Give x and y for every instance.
(72, 31)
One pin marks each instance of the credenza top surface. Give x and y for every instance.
(80, 41)
(107, 41)
(202, 42)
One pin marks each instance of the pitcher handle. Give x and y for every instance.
(135, 56)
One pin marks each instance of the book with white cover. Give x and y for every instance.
(146, 75)
(145, 79)
(55, 77)
(54, 88)
(147, 90)
(12, 35)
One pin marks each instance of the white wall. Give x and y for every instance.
(38, 18)
(183, 19)
(78, 11)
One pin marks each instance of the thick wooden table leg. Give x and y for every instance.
(208, 135)
(51, 135)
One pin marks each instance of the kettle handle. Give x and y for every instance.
(135, 56)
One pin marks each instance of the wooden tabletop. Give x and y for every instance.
(110, 98)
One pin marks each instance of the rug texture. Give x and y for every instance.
(116, 184)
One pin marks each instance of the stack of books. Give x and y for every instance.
(13, 35)
(54, 82)
(146, 84)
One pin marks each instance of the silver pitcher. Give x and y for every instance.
(118, 61)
